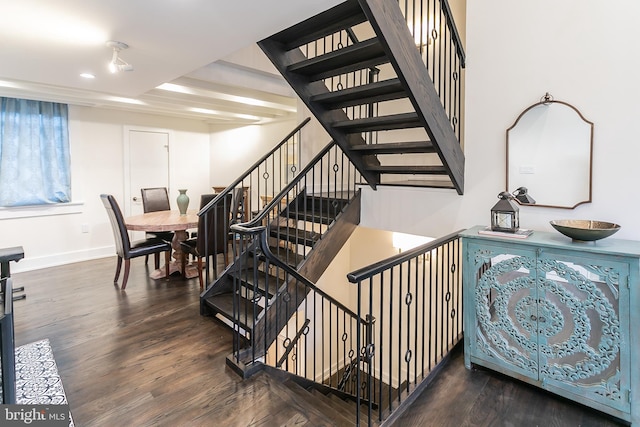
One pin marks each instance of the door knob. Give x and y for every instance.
(135, 199)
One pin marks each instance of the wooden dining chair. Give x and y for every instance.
(125, 249)
(153, 200)
(213, 241)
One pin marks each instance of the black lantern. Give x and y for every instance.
(522, 195)
(505, 214)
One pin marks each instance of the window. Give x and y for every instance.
(34, 153)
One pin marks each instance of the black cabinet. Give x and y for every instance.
(7, 342)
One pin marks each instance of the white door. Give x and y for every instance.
(146, 166)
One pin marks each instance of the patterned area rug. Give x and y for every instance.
(37, 379)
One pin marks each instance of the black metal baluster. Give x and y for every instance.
(391, 319)
(358, 346)
(424, 307)
(415, 317)
(400, 335)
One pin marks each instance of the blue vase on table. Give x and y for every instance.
(183, 202)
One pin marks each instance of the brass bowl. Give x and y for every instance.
(584, 229)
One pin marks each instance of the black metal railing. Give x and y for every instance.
(416, 299)
(270, 293)
(298, 216)
(253, 190)
(313, 335)
(436, 36)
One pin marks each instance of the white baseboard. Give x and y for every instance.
(36, 263)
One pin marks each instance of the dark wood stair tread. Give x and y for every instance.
(223, 304)
(390, 122)
(266, 284)
(424, 183)
(396, 147)
(295, 235)
(310, 216)
(385, 90)
(342, 16)
(358, 56)
(410, 169)
(322, 208)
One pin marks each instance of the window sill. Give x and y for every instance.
(41, 210)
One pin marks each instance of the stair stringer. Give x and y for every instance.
(391, 27)
(271, 322)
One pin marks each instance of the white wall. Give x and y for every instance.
(96, 140)
(234, 149)
(578, 51)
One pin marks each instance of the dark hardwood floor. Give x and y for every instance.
(460, 397)
(145, 357)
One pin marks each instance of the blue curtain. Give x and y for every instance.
(34, 152)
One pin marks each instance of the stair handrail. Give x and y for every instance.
(257, 219)
(369, 271)
(454, 31)
(231, 186)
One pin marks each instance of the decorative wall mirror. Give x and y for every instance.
(549, 150)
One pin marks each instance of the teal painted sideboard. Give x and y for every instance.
(561, 315)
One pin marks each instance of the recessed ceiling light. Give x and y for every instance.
(87, 76)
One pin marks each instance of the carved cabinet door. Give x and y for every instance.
(583, 330)
(504, 333)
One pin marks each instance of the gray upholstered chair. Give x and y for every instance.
(125, 249)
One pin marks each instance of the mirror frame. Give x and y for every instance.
(546, 100)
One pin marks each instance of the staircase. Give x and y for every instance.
(295, 229)
(359, 71)
(394, 120)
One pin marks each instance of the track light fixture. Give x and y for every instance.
(118, 64)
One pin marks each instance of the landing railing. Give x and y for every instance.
(416, 299)
(326, 185)
(436, 36)
(254, 189)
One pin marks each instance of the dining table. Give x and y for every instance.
(169, 220)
